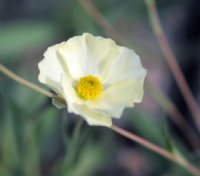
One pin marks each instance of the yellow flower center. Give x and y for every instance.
(89, 87)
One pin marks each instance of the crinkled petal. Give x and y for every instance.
(101, 53)
(115, 98)
(92, 118)
(126, 66)
(103, 107)
(50, 69)
(73, 53)
(88, 55)
(70, 93)
(77, 105)
(118, 68)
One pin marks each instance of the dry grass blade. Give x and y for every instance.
(171, 60)
(182, 162)
(162, 100)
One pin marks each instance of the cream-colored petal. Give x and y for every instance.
(77, 105)
(138, 89)
(115, 98)
(88, 55)
(55, 86)
(119, 69)
(70, 93)
(101, 53)
(92, 117)
(103, 107)
(50, 69)
(126, 66)
(74, 55)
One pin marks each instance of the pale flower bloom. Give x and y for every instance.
(96, 77)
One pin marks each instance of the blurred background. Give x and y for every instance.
(36, 139)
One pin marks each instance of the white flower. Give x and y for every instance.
(96, 77)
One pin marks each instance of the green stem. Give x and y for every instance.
(28, 84)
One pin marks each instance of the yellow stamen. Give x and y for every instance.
(89, 87)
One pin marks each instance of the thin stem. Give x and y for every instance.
(171, 60)
(153, 90)
(124, 133)
(174, 113)
(28, 84)
(96, 15)
(182, 162)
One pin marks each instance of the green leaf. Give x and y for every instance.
(4, 171)
(89, 160)
(171, 145)
(92, 156)
(168, 139)
(31, 154)
(9, 148)
(48, 130)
